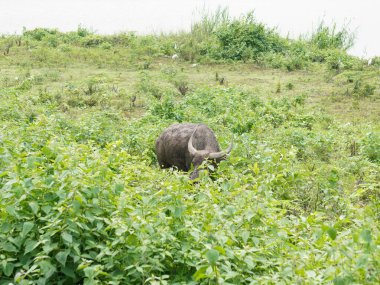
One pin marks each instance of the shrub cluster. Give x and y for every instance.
(216, 37)
(91, 206)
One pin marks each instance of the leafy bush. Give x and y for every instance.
(371, 146)
(39, 34)
(90, 205)
(363, 90)
(338, 60)
(167, 109)
(93, 41)
(147, 86)
(326, 37)
(246, 38)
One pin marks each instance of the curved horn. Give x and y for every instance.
(220, 154)
(190, 146)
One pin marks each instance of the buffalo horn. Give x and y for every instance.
(220, 154)
(190, 146)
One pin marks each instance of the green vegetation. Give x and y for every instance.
(83, 201)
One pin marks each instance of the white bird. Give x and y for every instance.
(174, 56)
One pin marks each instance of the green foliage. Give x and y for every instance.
(375, 61)
(93, 41)
(167, 109)
(83, 201)
(216, 36)
(362, 90)
(147, 86)
(326, 37)
(39, 34)
(245, 39)
(371, 146)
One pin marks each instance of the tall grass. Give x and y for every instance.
(209, 22)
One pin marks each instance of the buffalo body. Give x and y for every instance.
(181, 145)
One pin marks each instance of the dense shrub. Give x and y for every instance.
(218, 37)
(39, 34)
(245, 38)
(329, 37)
(83, 201)
(371, 146)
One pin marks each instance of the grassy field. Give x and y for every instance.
(83, 201)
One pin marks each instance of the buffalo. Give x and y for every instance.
(181, 145)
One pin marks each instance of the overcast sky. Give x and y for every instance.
(145, 16)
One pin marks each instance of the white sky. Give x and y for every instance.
(144, 16)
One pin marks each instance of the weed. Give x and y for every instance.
(167, 109)
(278, 87)
(92, 87)
(326, 37)
(370, 146)
(182, 87)
(362, 90)
(289, 86)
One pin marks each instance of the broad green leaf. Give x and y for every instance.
(120, 231)
(366, 236)
(178, 212)
(59, 158)
(17, 241)
(220, 249)
(9, 247)
(8, 268)
(212, 256)
(11, 209)
(90, 271)
(76, 205)
(46, 209)
(119, 188)
(62, 256)
(26, 228)
(48, 247)
(5, 227)
(34, 206)
(230, 210)
(69, 271)
(332, 233)
(245, 236)
(67, 237)
(200, 273)
(30, 245)
(231, 274)
(256, 168)
(47, 268)
(90, 281)
(48, 152)
(342, 281)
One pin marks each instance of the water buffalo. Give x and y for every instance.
(181, 145)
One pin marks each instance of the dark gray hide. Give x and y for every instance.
(183, 144)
